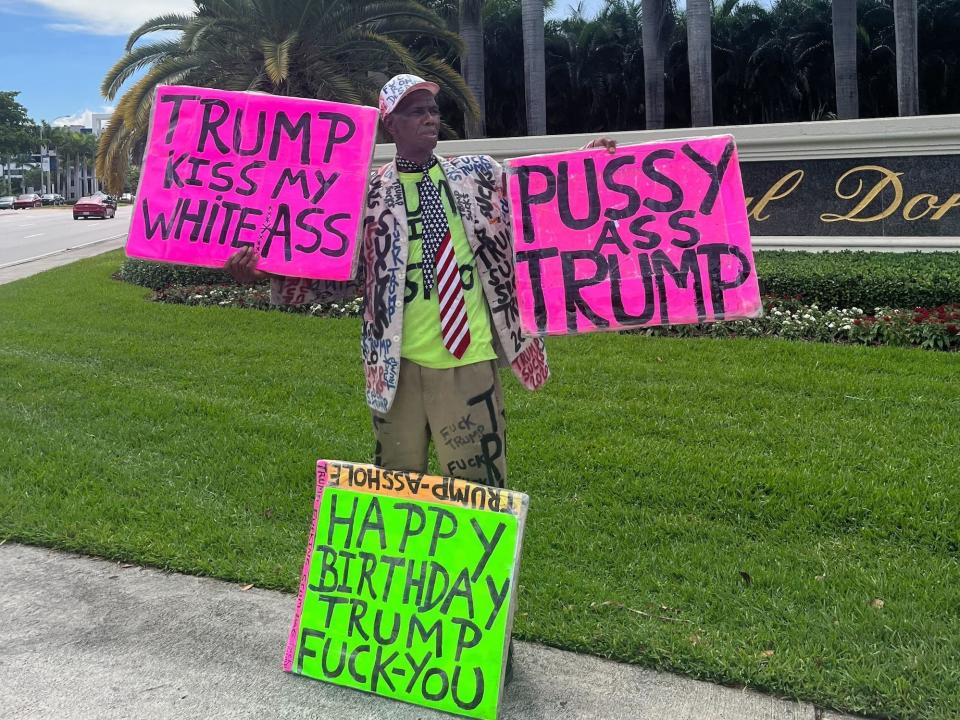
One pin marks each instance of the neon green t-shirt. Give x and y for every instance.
(422, 339)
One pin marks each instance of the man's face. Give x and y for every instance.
(415, 124)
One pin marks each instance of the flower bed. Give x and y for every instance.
(252, 296)
(931, 328)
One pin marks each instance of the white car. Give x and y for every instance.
(6, 202)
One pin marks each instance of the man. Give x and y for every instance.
(440, 305)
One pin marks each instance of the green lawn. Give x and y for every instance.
(736, 510)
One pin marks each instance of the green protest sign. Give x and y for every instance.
(408, 587)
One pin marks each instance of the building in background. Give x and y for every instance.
(76, 176)
(99, 122)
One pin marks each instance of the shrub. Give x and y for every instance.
(156, 275)
(862, 279)
(841, 279)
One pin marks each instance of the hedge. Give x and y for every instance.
(862, 279)
(832, 279)
(156, 276)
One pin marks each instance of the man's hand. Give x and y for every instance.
(242, 267)
(608, 143)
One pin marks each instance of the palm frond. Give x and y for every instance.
(328, 49)
(137, 101)
(276, 58)
(113, 154)
(135, 60)
(171, 21)
(452, 83)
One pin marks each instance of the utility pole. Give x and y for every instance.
(44, 168)
(44, 165)
(42, 186)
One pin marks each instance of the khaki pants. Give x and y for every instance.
(460, 409)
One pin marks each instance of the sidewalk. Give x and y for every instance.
(86, 638)
(63, 257)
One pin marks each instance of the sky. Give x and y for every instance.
(56, 52)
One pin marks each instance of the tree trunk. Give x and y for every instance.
(699, 56)
(471, 62)
(845, 58)
(652, 22)
(905, 26)
(534, 66)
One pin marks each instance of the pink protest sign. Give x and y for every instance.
(655, 234)
(226, 170)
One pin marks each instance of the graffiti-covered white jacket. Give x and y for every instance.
(479, 189)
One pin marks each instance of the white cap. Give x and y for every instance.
(398, 87)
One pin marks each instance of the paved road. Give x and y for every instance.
(26, 234)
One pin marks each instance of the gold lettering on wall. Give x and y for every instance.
(948, 204)
(866, 188)
(777, 191)
(908, 213)
(888, 178)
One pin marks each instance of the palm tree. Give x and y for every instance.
(938, 23)
(505, 114)
(327, 49)
(655, 39)
(471, 61)
(844, 14)
(810, 34)
(789, 71)
(590, 69)
(905, 24)
(699, 52)
(736, 28)
(623, 100)
(534, 66)
(58, 138)
(75, 158)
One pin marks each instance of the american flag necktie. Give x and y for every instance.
(438, 255)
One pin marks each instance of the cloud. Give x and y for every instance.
(67, 27)
(15, 7)
(83, 117)
(109, 17)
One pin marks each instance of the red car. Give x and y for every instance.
(93, 206)
(27, 200)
